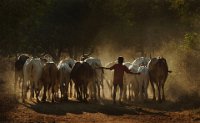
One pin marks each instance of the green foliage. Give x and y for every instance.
(53, 26)
(17, 18)
(191, 42)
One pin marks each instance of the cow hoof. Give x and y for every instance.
(23, 100)
(85, 101)
(38, 100)
(43, 100)
(52, 101)
(31, 99)
(64, 99)
(80, 99)
(71, 95)
(163, 99)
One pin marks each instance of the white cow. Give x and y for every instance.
(140, 82)
(32, 71)
(64, 69)
(141, 61)
(133, 81)
(95, 63)
(143, 82)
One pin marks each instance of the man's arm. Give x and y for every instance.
(133, 73)
(108, 68)
(104, 68)
(129, 71)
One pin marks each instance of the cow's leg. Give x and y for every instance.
(81, 92)
(109, 87)
(37, 95)
(53, 94)
(74, 90)
(112, 92)
(153, 89)
(63, 90)
(32, 90)
(163, 94)
(20, 77)
(20, 81)
(70, 88)
(102, 87)
(66, 90)
(140, 90)
(44, 94)
(77, 91)
(159, 87)
(85, 92)
(92, 90)
(145, 92)
(129, 92)
(146, 83)
(24, 95)
(95, 90)
(16, 81)
(49, 94)
(99, 90)
(135, 88)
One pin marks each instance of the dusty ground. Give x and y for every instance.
(106, 112)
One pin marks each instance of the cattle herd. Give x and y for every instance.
(46, 80)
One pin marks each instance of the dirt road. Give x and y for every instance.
(12, 110)
(101, 112)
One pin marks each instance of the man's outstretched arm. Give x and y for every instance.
(104, 68)
(129, 71)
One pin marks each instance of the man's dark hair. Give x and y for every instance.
(120, 59)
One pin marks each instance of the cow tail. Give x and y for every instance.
(50, 75)
(31, 71)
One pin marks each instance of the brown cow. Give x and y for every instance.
(82, 74)
(158, 72)
(49, 79)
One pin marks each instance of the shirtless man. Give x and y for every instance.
(119, 69)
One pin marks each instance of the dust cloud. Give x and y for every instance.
(179, 85)
(7, 75)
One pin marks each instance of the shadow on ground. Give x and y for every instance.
(187, 103)
(75, 107)
(106, 107)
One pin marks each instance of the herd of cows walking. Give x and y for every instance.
(46, 80)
